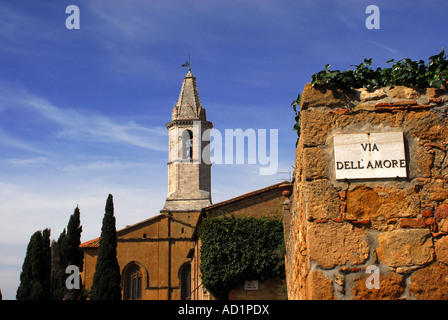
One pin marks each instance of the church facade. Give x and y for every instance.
(156, 256)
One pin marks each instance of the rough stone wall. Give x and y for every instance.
(270, 289)
(338, 228)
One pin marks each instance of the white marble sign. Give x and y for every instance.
(369, 155)
(251, 285)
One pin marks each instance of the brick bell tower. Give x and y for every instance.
(189, 174)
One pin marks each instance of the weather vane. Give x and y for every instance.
(187, 63)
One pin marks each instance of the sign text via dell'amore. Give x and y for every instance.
(370, 156)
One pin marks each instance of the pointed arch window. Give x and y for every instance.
(133, 284)
(185, 282)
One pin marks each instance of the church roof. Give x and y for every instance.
(95, 243)
(234, 200)
(189, 104)
(244, 196)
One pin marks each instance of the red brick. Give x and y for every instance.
(384, 104)
(435, 100)
(361, 222)
(441, 212)
(421, 106)
(427, 213)
(412, 223)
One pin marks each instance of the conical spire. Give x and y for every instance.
(189, 104)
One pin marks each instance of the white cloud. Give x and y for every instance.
(385, 47)
(82, 124)
(27, 162)
(17, 143)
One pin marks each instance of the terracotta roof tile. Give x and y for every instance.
(246, 195)
(95, 243)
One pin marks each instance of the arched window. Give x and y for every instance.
(187, 144)
(185, 282)
(133, 283)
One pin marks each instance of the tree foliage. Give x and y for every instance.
(65, 252)
(36, 268)
(106, 280)
(237, 249)
(405, 72)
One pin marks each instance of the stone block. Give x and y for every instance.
(434, 191)
(321, 96)
(426, 125)
(318, 286)
(441, 248)
(392, 286)
(315, 125)
(362, 202)
(366, 95)
(441, 212)
(406, 247)
(443, 225)
(321, 200)
(314, 163)
(430, 283)
(402, 92)
(382, 202)
(363, 119)
(421, 163)
(332, 244)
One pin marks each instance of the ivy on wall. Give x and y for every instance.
(237, 249)
(405, 72)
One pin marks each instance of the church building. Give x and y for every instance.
(155, 255)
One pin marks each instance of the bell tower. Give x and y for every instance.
(189, 174)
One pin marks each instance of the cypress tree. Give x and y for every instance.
(73, 255)
(45, 277)
(58, 275)
(36, 269)
(106, 280)
(66, 252)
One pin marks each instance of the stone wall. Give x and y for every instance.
(270, 289)
(339, 229)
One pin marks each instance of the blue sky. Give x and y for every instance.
(83, 112)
